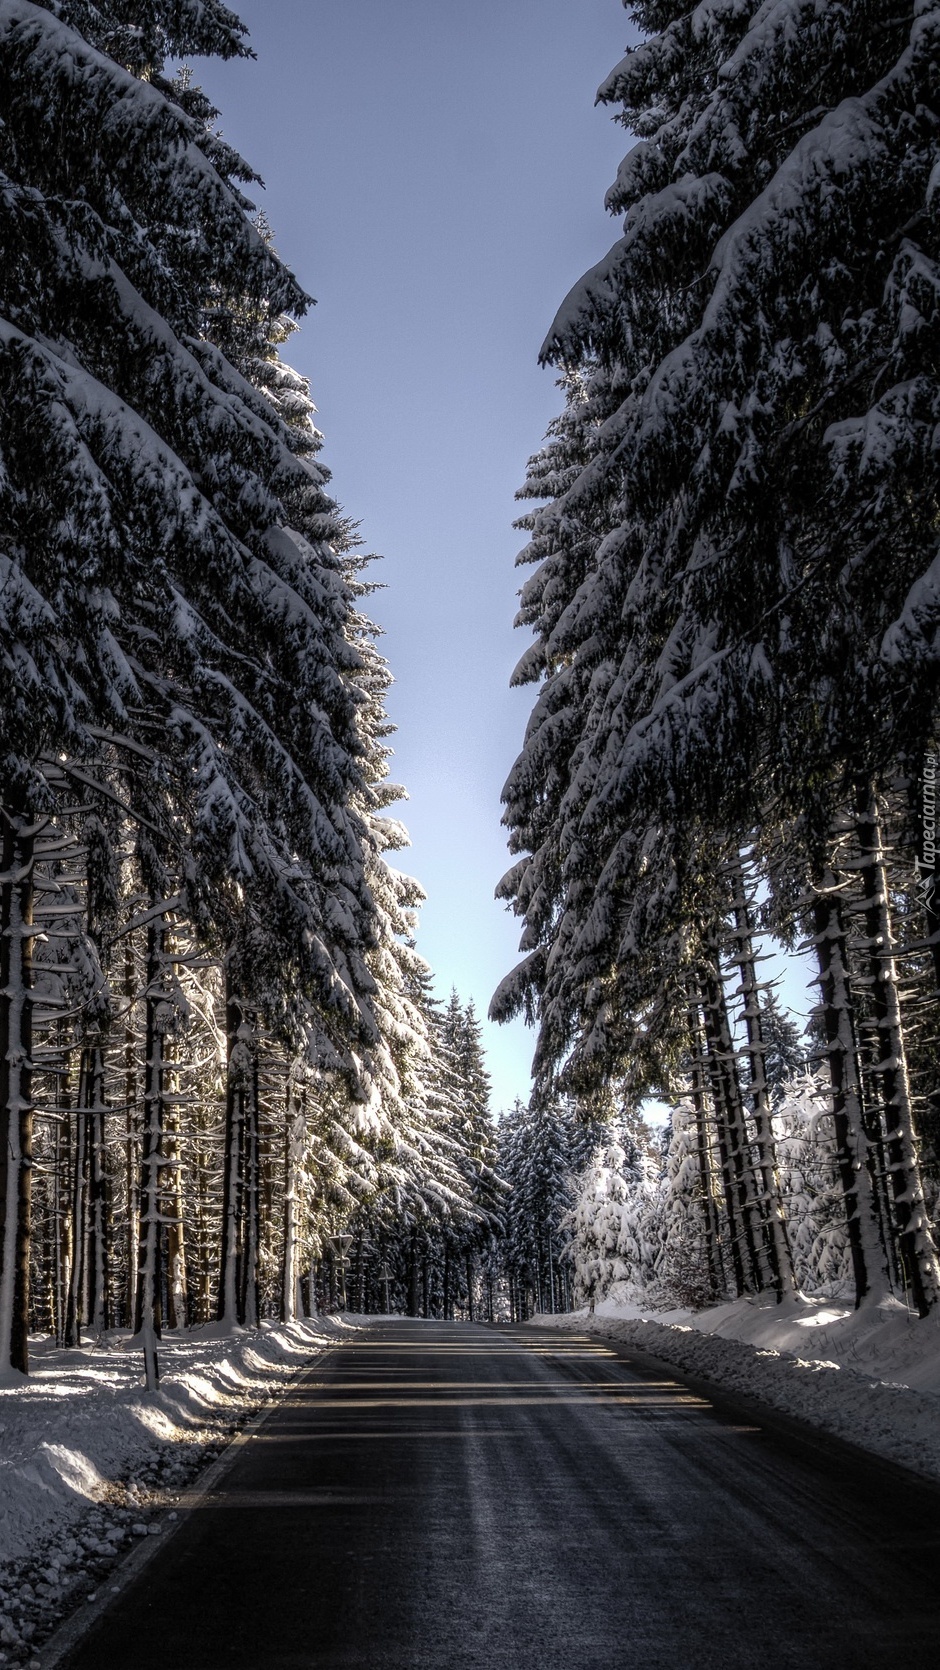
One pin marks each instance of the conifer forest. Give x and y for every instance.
(219, 1046)
(231, 1094)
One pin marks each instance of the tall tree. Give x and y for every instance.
(717, 643)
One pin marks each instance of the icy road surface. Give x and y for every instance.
(441, 1496)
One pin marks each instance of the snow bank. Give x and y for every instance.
(88, 1458)
(871, 1377)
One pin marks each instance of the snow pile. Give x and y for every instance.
(88, 1459)
(871, 1377)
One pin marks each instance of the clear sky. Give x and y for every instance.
(435, 174)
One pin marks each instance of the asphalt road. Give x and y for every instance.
(448, 1497)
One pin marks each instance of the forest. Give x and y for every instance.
(228, 1091)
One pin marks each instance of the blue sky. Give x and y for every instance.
(435, 174)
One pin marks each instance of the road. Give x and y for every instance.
(439, 1496)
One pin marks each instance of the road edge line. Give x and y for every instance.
(53, 1653)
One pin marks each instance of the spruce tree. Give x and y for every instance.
(176, 618)
(721, 637)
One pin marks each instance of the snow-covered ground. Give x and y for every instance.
(870, 1376)
(90, 1462)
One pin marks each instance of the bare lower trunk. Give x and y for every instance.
(99, 1216)
(866, 1250)
(132, 1173)
(149, 1318)
(917, 1251)
(74, 1311)
(413, 1275)
(252, 1193)
(724, 1066)
(294, 1130)
(177, 1299)
(714, 1245)
(16, 1067)
(61, 1152)
(718, 1061)
(781, 1257)
(228, 1307)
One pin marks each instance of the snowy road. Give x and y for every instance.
(441, 1497)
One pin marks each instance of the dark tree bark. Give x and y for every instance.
(149, 1317)
(729, 1103)
(177, 1296)
(248, 1293)
(132, 1155)
(232, 1164)
(294, 1126)
(866, 1248)
(718, 1059)
(781, 1257)
(715, 1244)
(413, 1275)
(17, 844)
(75, 1302)
(99, 1198)
(916, 1248)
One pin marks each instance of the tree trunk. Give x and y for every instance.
(723, 1057)
(917, 1251)
(74, 1312)
(714, 1242)
(16, 1068)
(781, 1257)
(149, 1318)
(469, 1286)
(251, 1196)
(294, 1131)
(177, 1282)
(232, 1163)
(413, 1275)
(99, 1202)
(59, 1250)
(725, 1094)
(131, 1163)
(869, 1267)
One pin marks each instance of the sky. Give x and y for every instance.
(435, 175)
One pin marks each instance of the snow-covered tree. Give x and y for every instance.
(543, 1144)
(611, 1228)
(722, 638)
(688, 1267)
(806, 1156)
(191, 689)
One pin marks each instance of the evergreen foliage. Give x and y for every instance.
(731, 609)
(221, 1050)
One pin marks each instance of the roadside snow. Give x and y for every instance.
(89, 1459)
(871, 1377)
